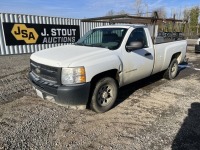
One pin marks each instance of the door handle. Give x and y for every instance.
(147, 54)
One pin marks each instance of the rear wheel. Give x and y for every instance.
(172, 70)
(104, 95)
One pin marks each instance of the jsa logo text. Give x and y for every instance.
(21, 32)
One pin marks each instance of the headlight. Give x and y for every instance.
(73, 75)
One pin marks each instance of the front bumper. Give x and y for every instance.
(74, 95)
(197, 48)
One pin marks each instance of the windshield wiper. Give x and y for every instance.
(80, 44)
(97, 45)
(92, 45)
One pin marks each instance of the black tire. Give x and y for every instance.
(172, 70)
(104, 95)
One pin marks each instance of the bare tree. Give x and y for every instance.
(172, 12)
(147, 9)
(138, 7)
(110, 13)
(186, 14)
(162, 13)
(179, 14)
(122, 12)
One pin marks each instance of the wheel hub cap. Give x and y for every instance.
(105, 95)
(173, 68)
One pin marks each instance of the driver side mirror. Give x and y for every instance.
(134, 45)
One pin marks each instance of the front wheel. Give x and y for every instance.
(172, 70)
(104, 95)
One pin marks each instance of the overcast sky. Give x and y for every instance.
(86, 8)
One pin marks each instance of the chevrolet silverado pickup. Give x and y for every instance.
(90, 72)
(197, 46)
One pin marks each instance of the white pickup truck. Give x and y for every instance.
(90, 72)
(197, 46)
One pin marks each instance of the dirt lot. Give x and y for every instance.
(150, 114)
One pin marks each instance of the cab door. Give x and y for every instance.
(138, 63)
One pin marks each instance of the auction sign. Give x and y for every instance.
(26, 33)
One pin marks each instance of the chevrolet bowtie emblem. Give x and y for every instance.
(37, 70)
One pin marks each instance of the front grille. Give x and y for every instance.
(46, 73)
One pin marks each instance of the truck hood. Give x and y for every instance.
(63, 56)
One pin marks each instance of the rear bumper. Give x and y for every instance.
(197, 48)
(74, 95)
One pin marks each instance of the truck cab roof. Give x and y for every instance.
(123, 26)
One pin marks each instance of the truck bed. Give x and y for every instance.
(164, 53)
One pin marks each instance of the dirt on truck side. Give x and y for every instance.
(153, 113)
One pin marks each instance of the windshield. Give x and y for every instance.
(110, 38)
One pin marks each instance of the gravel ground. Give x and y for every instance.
(13, 78)
(153, 113)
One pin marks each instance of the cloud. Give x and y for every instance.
(57, 8)
(109, 4)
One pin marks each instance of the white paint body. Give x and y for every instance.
(131, 66)
(198, 41)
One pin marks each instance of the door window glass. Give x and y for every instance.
(138, 35)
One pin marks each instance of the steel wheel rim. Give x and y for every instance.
(105, 95)
(174, 70)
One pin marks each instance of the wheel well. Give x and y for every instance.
(177, 56)
(110, 73)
